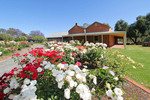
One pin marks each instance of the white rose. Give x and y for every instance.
(0, 53)
(51, 67)
(47, 66)
(7, 90)
(112, 73)
(108, 86)
(118, 91)
(116, 78)
(70, 73)
(33, 88)
(59, 77)
(68, 78)
(67, 93)
(47, 50)
(105, 67)
(95, 80)
(13, 83)
(26, 81)
(109, 93)
(33, 82)
(93, 90)
(39, 69)
(60, 84)
(61, 66)
(11, 96)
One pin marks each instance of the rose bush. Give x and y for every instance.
(7, 47)
(63, 71)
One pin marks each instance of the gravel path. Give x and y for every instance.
(8, 64)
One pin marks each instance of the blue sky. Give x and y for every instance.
(50, 16)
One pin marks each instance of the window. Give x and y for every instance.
(96, 38)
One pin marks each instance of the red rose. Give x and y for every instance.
(34, 76)
(25, 54)
(28, 76)
(78, 63)
(2, 95)
(23, 75)
(32, 69)
(17, 54)
(64, 63)
(22, 61)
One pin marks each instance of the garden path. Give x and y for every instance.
(8, 64)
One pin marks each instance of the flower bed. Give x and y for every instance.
(66, 71)
(7, 48)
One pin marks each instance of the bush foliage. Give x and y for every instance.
(6, 37)
(39, 39)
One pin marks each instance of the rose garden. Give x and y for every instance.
(64, 70)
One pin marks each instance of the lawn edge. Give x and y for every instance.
(138, 85)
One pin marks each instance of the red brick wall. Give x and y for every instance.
(76, 29)
(97, 27)
(111, 40)
(106, 39)
(90, 38)
(100, 39)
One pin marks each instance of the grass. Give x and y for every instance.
(141, 55)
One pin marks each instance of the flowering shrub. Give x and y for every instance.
(62, 72)
(8, 47)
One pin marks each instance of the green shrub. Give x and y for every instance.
(94, 57)
(22, 38)
(6, 37)
(39, 39)
(5, 51)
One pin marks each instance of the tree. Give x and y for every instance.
(107, 24)
(121, 25)
(133, 32)
(141, 25)
(2, 30)
(36, 33)
(6, 37)
(14, 32)
(39, 38)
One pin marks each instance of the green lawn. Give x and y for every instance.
(141, 55)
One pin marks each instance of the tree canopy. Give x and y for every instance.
(136, 31)
(121, 25)
(36, 33)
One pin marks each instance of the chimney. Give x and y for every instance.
(76, 24)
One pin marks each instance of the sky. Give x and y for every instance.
(51, 16)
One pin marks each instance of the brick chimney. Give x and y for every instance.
(76, 24)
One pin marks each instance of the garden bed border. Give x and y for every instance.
(138, 85)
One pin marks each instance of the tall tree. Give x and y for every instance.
(14, 32)
(121, 25)
(141, 25)
(36, 33)
(133, 32)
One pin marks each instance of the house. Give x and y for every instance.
(95, 32)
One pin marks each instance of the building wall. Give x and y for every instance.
(90, 38)
(106, 39)
(111, 40)
(97, 27)
(76, 29)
